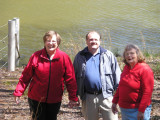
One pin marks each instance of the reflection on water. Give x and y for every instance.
(119, 22)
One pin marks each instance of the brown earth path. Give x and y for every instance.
(9, 110)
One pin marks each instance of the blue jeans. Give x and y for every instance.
(131, 114)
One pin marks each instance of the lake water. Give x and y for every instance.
(118, 21)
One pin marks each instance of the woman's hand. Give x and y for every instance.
(114, 108)
(17, 99)
(140, 115)
(72, 103)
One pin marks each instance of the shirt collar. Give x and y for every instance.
(86, 51)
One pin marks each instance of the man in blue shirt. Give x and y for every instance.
(97, 74)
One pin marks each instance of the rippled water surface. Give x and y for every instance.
(119, 22)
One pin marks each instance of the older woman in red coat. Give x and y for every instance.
(45, 73)
(135, 88)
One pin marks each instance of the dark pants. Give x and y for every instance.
(43, 111)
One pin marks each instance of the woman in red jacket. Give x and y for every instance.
(135, 88)
(46, 72)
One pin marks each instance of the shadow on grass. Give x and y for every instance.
(155, 118)
(4, 90)
(66, 106)
(155, 101)
(65, 111)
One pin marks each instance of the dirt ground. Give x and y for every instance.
(9, 110)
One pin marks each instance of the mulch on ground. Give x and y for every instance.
(9, 110)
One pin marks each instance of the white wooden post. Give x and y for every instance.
(17, 54)
(11, 45)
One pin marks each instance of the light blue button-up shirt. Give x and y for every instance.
(92, 74)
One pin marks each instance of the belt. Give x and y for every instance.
(94, 92)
